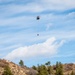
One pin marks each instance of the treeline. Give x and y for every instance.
(47, 69)
(43, 69)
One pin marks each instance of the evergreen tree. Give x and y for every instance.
(50, 70)
(59, 68)
(57, 64)
(7, 71)
(42, 70)
(34, 67)
(48, 63)
(21, 63)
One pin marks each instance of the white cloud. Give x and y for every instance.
(58, 4)
(42, 5)
(47, 48)
(13, 9)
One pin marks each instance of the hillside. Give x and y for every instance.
(58, 69)
(67, 68)
(16, 69)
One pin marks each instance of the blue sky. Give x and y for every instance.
(19, 29)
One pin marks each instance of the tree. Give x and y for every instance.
(49, 67)
(50, 70)
(48, 63)
(59, 68)
(21, 63)
(34, 67)
(7, 71)
(42, 70)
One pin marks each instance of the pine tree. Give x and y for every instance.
(42, 70)
(50, 70)
(48, 63)
(21, 63)
(59, 68)
(34, 67)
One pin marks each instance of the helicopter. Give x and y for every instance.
(38, 17)
(37, 34)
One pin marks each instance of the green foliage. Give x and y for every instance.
(50, 70)
(48, 63)
(59, 68)
(45, 69)
(7, 71)
(34, 67)
(42, 70)
(21, 63)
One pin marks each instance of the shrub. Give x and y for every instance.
(7, 71)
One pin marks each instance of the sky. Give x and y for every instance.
(19, 28)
